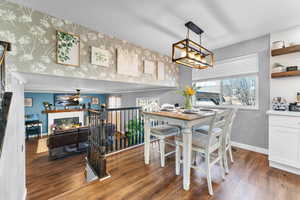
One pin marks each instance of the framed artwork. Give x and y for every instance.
(64, 100)
(160, 71)
(68, 49)
(99, 57)
(95, 100)
(127, 63)
(28, 102)
(149, 67)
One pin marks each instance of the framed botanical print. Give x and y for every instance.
(127, 63)
(149, 67)
(95, 100)
(160, 71)
(68, 49)
(99, 57)
(28, 102)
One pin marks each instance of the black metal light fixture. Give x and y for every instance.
(190, 53)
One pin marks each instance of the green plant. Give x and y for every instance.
(134, 128)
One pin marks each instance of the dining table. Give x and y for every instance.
(186, 121)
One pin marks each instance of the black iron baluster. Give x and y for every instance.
(123, 129)
(110, 133)
(132, 129)
(126, 125)
(143, 125)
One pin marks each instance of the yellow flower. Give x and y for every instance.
(189, 91)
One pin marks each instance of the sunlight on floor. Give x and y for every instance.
(42, 146)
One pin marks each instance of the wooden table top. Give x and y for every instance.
(179, 115)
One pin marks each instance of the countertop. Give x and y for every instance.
(283, 113)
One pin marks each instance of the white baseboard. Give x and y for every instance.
(284, 167)
(25, 194)
(250, 148)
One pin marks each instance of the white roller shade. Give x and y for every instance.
(229, 67)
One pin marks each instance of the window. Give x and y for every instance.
(237, 91)
(231, 82)
(114, 102)
(147, 103)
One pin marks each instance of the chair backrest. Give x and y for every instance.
(227, 137)
(220, 122)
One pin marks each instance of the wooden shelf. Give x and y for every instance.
(285, 74)
(59, 111)
(287, 50)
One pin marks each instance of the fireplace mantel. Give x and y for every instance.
(59, 111)
(64, 114)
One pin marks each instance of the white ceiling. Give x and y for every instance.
(55, 84)
(157, 24)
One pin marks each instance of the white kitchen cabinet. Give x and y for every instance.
(284, 140)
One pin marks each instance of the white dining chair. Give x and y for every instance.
(207, 144)
(163, 132)
(227, 148)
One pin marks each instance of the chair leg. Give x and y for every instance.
(194, 157)
(230, 154)
(225, 159)
(162, 152)
(208, 174)
(177, 159)
(220, 154)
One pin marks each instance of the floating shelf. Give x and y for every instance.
(285, 74)
(287, 50)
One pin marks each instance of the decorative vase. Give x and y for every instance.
(188, 102)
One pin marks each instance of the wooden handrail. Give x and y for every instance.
(4, 116)
(7, 47)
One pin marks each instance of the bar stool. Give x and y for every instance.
(227, 148)
(208, 145)
(162, 132)
(227, 141)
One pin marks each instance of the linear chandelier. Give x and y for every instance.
(190, 53)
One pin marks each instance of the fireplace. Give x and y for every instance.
(64, 119)
(66, 123)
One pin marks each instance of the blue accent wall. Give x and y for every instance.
(37, 105)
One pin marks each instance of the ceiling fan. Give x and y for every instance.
(76, 96)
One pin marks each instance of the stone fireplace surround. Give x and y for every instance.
(67, 114)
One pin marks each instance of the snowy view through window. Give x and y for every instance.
(239, 91)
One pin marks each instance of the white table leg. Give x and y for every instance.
(187, 156)
(147, 140)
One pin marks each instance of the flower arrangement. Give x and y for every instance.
(188, 92)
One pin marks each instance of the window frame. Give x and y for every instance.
(256, 107)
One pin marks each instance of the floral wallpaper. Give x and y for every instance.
(33, 38)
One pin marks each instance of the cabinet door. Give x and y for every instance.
(284, 145)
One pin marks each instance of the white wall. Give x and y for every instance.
(12, 160)
(289, 86)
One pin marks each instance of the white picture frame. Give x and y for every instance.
(127, 63)
(95, 100)
(160, 71)
(28, 102)
(100, 57)
(67, 49)
(149, 67)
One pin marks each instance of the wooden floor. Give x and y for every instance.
(250, 178)
(46, 179)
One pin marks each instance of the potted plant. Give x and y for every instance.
(134, 128)
(188, 92)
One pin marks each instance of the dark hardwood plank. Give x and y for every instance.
(249, 178)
